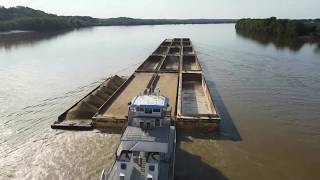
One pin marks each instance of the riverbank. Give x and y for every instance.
(284, 29)
(24, 18)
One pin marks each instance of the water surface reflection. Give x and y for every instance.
(8, 41)
(294, 44)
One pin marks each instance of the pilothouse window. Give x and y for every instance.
(141, 124)
(151, 168)
(157, 122)
(123, 166)
(156, 110)
(148, 110)
(140, 109)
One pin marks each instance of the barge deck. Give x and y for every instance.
(117, 108)
(168, 85)
(174, 69)
(79, 116)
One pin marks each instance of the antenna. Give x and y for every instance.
(157, 91)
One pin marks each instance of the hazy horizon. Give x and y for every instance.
(187, 9)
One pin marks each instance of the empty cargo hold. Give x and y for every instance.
(166, 43)
(174, 51)
(168, 85)
(186, 43)
(151, 63)
(162, 50)
(117, 107)
(190, 63)
(78, 117)
(88, 106)
(176, 43)
(188, 50)
(195, 96)
(171, 63)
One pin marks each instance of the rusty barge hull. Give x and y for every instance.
(173, 68)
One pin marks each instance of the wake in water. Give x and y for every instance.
(30, 149)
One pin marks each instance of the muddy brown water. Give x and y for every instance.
(268, 96)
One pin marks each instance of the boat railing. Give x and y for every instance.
(106, 174)
(174, 152)
(103, 175)
(124, 129)
(167, 113)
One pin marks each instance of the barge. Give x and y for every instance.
(79, 116)
(174, 69)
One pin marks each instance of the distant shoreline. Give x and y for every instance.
(28, 19)
(14, 32)
(281, 30)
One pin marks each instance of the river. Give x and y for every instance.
(268, 97)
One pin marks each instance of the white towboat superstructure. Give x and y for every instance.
(147, 147)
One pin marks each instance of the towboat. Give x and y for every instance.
(147, 146)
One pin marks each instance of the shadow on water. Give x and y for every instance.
(294, 44)
(317, 49)
(14, 40)
(191, 167)
(227, 129)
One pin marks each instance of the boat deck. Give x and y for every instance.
(159, 134)
(167, 135)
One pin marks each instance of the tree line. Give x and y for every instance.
(24, 18)
(279, 27)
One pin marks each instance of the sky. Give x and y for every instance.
(180, 9)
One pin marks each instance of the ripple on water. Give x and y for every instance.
(31, 150)
(62, 155)
(269, 98)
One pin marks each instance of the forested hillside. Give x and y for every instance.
(24, 18)
(279, 27)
